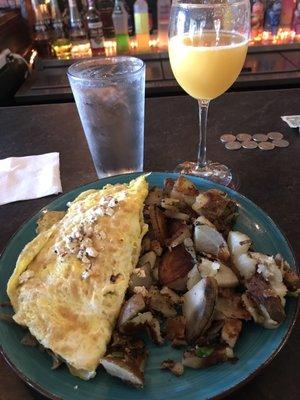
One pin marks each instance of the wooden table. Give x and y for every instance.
(270, 178)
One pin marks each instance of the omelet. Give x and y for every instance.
(70, 281)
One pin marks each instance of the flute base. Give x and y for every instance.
(212, 171)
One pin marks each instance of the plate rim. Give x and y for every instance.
(35, 386)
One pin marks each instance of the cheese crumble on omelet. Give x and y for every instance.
(70, 281)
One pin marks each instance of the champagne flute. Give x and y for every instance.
(208, 41)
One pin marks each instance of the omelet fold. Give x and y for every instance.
(69, 281)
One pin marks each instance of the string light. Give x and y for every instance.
(283, 36)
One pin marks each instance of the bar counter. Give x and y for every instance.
(269, 178)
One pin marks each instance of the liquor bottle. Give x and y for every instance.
(163, 18)
(150, 14)
(296, 19)
(57, 20)
(272, 17)
(288, 7)
(106, 8)
(60, 43)
(257, 17)
(120, 20)
(95, 29)
(141, 24)
(45, 13)
(42, 34)
(130, 18)
(77, 30)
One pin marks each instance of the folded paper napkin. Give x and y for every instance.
(23, 178)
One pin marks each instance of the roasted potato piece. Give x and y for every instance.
(175, 330)
(224, 275)
(137, 323)
(194, 277)
(230, 305)
(215, 356)
(146, 244)
(231, 331)
(156, 247)
(130, 309)
(218, 208)
(252, 309)
(184, 190)
(174, 214)
(271, 273)
(149, 257)
(157, 302)
(198, 307)
(211, 335)
(179, 284)
(158, 221)
(155, 332)
(226, 278)
(125, 369)
(168, 203)
(144, 321)
(239, 245)
(209, 240)
(266, 301)
(174, 265)
(127, 345)
(203, 221)
(141, 276)
(140, 290)
(173, 296)
(290, 278)
(175, 367)
(154, 197)
(190, 248)
(168, 185)
(179, 232)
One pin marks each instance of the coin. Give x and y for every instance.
(275, 135)
(227, 138)
(266, 145)
(260, 137)
(242, 137)
(249, 144)
(281, 143)
(233, 145)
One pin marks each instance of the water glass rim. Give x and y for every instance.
(111, 60)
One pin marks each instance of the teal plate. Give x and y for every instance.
(256, 347)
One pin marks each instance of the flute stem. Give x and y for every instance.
(203, 111)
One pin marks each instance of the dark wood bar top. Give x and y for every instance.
(269, 178)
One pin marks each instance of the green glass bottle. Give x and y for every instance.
(120, 20)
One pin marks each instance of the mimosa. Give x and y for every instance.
(206, 66)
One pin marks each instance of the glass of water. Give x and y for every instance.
(110, 98)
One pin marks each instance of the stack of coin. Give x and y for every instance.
(278, 140)
(246, 141)
(262, 141)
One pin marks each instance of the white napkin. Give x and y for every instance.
(23, 178)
